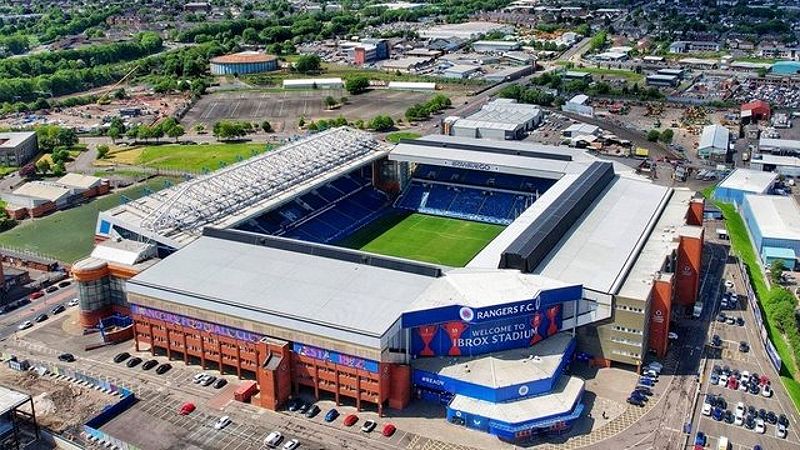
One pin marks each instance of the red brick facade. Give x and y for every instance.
(278, 370)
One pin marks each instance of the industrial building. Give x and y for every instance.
(741, 182)
(313, 83)
(589, 262)
(788, 147)
(18, 148)
(465, 31)
(366, 51)
(501, 119)
(243, 63)
(16, 407)
(461, 71)
(579, 104)
(714, 143)
(38, 198)
(755, 111)
(774, 225)
(787, 166)
(408, 64)
(495, 46)
(694, 47)
(662, 80)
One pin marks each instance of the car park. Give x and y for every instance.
(121, 357)
(66, 357)
(163, 368)
(133, 362)
(149, 364)
(350, 420)
(24, 325)
(222, 422)
(331, 415)
(220, 383)
(368, 426)
(57, 309)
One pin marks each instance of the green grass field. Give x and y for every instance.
(438, 240)
(69, 235)
(197, 157)
(395, 137)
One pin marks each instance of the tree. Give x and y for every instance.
(653, 135)
(28, 170)
(60, 155)
(381, 123)
(776, 271)
(175, 132)
(330, 102)
(266, 127)
(113, 133)
(59, 169)
(356, 85)
(228, 129)
(102, 151)
(666, 136)
(301, 122)
(43, 166)
(307, 64)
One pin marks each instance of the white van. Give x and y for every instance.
(723, 443)
(273, 440)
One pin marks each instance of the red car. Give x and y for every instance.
(388, 430)
(35, 295)
(186, 409)
(350, 420)
(763, 380)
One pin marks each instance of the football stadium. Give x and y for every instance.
(454, 270)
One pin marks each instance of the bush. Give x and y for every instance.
(356, 85)
(381, 123)
(653, 135)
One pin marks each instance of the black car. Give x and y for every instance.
(740, 321)
(303, 407)
(783, 420)
(66, 357)
(40, 318)
(219, 384)
(744, 347)
(754, 389)
(635, 401)
(726, 371)
(164, 368)
(716, 341)
(750, 423)
(716, 370)
(762, 413)
(64, 283)
(772, 418)
(149, 364)
(639, 396)
(51, 289)
(133, 362)
(121, 357)
(57, 309)
(313, 410)
(722, 317)
(722, 403)
(751, 411)
(644, 390)
(728, 417)
(294, 404)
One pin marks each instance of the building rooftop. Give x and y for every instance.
(776, 160)
(501, 115)
(10, 140)
(466, 30)
(561, 401)
(43, 190)
(715, 137)
(753, 181)
(501, 369)
(243, 58)
(788, 144)
(78, 180)
(11, 399)
(123, 251)
(777, 217)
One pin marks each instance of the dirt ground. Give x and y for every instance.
(60, 406)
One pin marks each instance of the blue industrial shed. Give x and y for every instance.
(774, 225)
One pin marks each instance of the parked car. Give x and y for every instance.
(700, 439)
(133, 362)
(388, 430)
(35, 295)
(291, 444)
(199, 377)
(312, 411)
(121, 357)
(729, 284)
(672, 336)
(780, 431)
(760, 428)
(25, 325)
(64, 283)
(58, 309)
(40, 318)
(73, 302)
(707, 409)
(273, 439)
(293, 404)
(51, 289)
(149, 364)
(331, 415)
(740, 321)
(730, 320)
(163, 368)
(350, 420)
(636, 401)
(744, 347)
(717, 414)
(222, 422)
(766, 390)
(772, 418)
(208, 380)
(721, 317)
(368, 426)
(186, 409)
(66, 357)
(220, 383)
(303, 407)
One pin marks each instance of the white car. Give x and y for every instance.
(222, 422)
(73, 302)
(273, 440)
(25, 325)
(368, 426)
(657, 366)
(706, 409)
(760, 427)
(729, 284)
(291, 445)
(723, 380)
(780, 431)
(199, 377)
(672, 336)
(738, 420)
(745, 377)
(766, 391)
(650, 373)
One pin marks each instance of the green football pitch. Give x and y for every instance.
(439, 240)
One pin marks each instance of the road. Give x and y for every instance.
(10, 320)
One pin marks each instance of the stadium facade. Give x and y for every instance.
(253, 278)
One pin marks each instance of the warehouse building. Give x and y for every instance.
(461, 71)
(408, 64)
(501, 119)
(579, 104)
(714, 143)
(787, 166)
(774, 225)
(755, 111)
(464, 31)
(662, 80)
(243, 63)
(495, 46)
(741, 182)
(788, 147)
(17, 148)
(38, 198)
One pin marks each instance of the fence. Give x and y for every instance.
(752, 300)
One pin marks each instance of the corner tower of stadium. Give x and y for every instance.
(328, 266)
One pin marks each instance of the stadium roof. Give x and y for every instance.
(754, 181)
(177, 215)
(245, 57)
(599, 250)
(777, 217)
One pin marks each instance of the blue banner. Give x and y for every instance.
(220, 330)
(336, 358)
